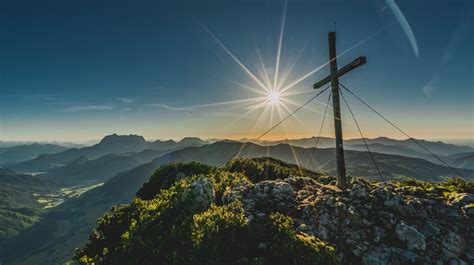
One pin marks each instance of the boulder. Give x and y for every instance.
(202, 193)
(358, 191)
(409, 234)
(453, 245)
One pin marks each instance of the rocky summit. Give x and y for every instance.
(370, 223)
(262, 211)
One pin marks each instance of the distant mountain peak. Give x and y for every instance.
(165, 141)
(383, 138)
(191, 139)
(121, 139)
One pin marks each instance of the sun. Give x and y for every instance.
(273, 97)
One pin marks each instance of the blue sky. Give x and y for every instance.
(77, 70)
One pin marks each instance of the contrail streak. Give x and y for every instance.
(404, 24)
(216, 104)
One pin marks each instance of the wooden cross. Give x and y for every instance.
(333, 77)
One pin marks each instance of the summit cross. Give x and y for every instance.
(333, 77)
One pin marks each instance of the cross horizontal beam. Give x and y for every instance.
(349, 67)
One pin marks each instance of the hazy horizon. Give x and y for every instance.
(465, 142)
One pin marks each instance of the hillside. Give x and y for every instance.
(463, 160)
(264, 211)
(358, 163)
(386, 145)
(94, 170)
(21, 153)
(65, 227)
(383, 144)
(19, 205)
(83, 170)
(53, 239)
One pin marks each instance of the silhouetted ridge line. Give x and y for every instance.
(400, 130)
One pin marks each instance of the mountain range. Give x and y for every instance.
(408, 147)
(438, 147)
(22, 153)
(64, 227)
(111, 144)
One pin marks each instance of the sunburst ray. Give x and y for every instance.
(246, 70)
(280, 41)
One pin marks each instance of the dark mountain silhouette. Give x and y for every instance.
(21, 153)
(407, 145)
(103, 168)
(4, 144)
(111, 144)
(385, 145)
(97, 170)
(463, 160)
(185, 142)
(100, 169)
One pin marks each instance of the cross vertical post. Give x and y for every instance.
(341, 166)
(333, 77)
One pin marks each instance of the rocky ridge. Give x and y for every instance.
(262, 211)
(370, 223)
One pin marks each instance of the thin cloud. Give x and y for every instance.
(88, 108)
(127, 100)
(40, 97)
(458, 37)
(431, 86)
(47, 99)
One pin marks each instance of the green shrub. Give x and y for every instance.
(223, 235)
(166, 230)
(106, 237)
(266, 168)
(458, 184)
(288, 246)
(165, 176)
(444, 189)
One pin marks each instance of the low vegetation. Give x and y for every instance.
(161, 226)
(263, 211)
